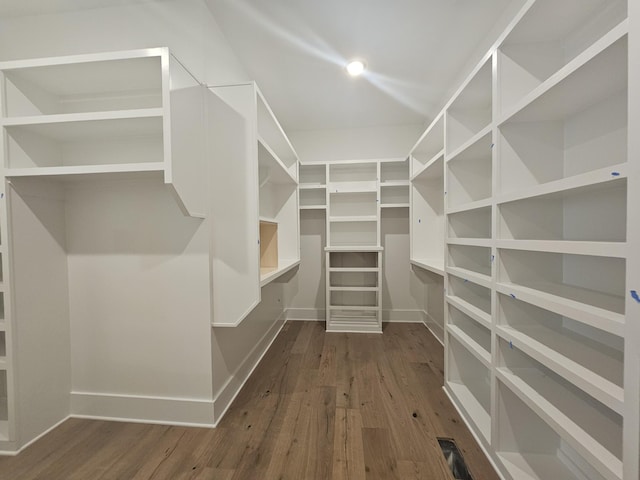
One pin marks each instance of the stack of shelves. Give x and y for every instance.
(394, 184)
(7, 415)
(535, 201)
(313, 186)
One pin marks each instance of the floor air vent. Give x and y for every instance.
(454, 459)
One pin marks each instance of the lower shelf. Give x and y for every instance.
(471, 408)
(354, 319)
(269, 274)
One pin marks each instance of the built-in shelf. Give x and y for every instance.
(429, 146)
(269, 274)
(470, 276)
(468, 336)
(473, 300)
(434, 265)
(88, 172)
(474, 223)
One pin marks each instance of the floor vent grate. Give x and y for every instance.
(454, 459)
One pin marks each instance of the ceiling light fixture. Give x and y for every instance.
(355, 68)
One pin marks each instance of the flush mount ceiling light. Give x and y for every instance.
(355, 68)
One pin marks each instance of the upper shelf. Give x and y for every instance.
(428, 145)
(271, 167)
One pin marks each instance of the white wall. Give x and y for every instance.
(139, 331)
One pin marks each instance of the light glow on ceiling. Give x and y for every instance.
(355, 68)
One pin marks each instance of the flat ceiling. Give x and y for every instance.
(296, 51)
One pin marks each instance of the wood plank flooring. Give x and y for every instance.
(319, 407)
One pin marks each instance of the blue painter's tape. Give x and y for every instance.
(493, 257)
(492, 145)
(512, 295)
(511, 344)
(635, 296)
(419, 220)
(465, 280)
(615, 174)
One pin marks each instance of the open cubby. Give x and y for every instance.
(594, 281)
(577, 416)
(471, 328)
(354, 299)
(354, 234)
(268, 245)
(474, 223)
(470, 112)
(475, 259)
(578, 126)
(394, 171)
(4, 406)
(353, 279)
(353, 177)
(596, 213)
(3, 344)
(591, 357)
(427, 215)
(352, 260)
(471, 293)
(394, 195)
(469, 174)
(547, 38)
(470, 383)
(270, 132)
(313, 174)
(360, 204)
(91, 142)
(429, 145)
(90, 86)
(313, 197)
(531, 450)
(2, 314)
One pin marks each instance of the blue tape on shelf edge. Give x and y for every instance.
(511, 344)
(635, 296)
(512, 295)
(492, 145)
(615, 174)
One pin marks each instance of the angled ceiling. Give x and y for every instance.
(296, 51)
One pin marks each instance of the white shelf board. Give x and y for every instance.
(277, 171)
(545, 345)
(471, 242)
(467, 207)
(600, 249)
(475, 277)
(312, 186)
(354, 248)
(601, 318)
(432, 170)
(92, 126)
(337, 189)
(354, 308)
(471, 408)
(394, 205)
(313, 207)
(435, 265)
(354, 269)
(596, 177)
(527, 466)
(268, 275)
(86, 172)
(469, 143)
(354, 218)
(543, 396)
(470, 310)
(395, 183)
(564, 92)
(470, 344)
(354, 289)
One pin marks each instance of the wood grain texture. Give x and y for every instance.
(325, 406)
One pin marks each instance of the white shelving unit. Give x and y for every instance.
(532, 151)
(270, 170)
(313, 186)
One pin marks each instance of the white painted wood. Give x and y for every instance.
(466, 338)
(471, 276)
(430, 143)
(470, 310)
(433, 265)
(471, 224)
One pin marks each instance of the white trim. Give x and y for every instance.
(306, 314)
(227, 394)
(142, 409)
(402, 316)
(13, 453)
(434, 327)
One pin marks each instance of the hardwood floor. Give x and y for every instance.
(319, 406)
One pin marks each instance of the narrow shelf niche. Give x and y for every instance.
(353, 177)
(571, 408)
(596, 213)
(584, 351)
(470, 382)
(353, 279)
(268, 246)
(394, 171)
(595, 281)
(471, 328)
(394, 195)
(469, 174)
(106, 85)
(529, 449)
(353, 260)
(562, 134)
(428, 146)
(474, 259)
(353, 204)
(470, 112)
(471, 293)
(548, 37)
(313, 197)
(3, 344)
(4, 406)
(474, 223)
(354, 299)
(354, 234)
(427, 214)
(313, 175)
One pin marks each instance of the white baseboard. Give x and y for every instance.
(142, 409)
(224, 398)
(32, 441)
(402, 316)
(306, 314)
(434, 327)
